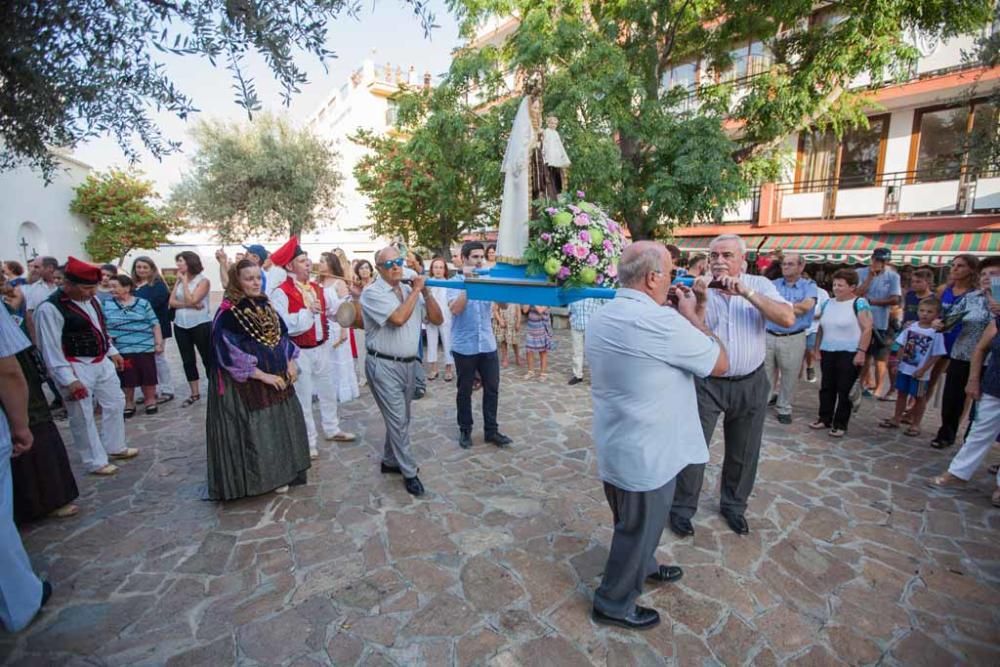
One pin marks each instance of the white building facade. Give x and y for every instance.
(34, 216)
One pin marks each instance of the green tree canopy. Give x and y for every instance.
(435, 182)
(262, 179)
(75, 69)
(119, 204)
(654, 156)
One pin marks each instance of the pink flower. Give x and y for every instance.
(613, 227)
(585, 236)
(563, 273)
(608, 247)
(575, 210)
(581, 252)
(551, 211)
(613, 271)
(580, 194)
(569, 249)
(600, 278)
(546, 237)
(582, 220)
(592, 259)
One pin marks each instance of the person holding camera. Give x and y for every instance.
(736, 311)
(644, 359)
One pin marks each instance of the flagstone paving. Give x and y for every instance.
(850, 558)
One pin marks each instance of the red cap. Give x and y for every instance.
(286, 253)
(82, 273)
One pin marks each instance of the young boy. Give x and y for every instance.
(920, 346)
(921, 287)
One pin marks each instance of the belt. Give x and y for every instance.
(379, 355)
(737, 378)
(790, 333)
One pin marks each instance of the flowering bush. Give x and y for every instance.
(575, 243)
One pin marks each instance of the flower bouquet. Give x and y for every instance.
(575, 243)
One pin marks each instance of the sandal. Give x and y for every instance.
(888, 423)
(448, 377)
(152, 409)
(129, 413)
(938, 443)
(913, 432)
(65, 511)
(837, 432)
(164, 398)
(105, 471)
(818, 424)
(432, 377)
(191, 400)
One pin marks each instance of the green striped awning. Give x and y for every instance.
(916, 248)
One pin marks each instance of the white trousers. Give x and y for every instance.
(104, 389)
(164, 382)
(444, 332)
(577, 339)
(981, 438)
(316, 376)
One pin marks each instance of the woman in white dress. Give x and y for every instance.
(439, 270)
(335, 290)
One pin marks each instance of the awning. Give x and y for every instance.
(916, 248)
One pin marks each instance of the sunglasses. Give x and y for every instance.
(388, 264)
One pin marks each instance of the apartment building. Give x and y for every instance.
(904, 182)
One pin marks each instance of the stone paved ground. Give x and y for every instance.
(851, 560)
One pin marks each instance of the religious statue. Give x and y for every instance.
(527, 178)
(556, 160)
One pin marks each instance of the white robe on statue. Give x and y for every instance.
(515, 209)
(553, 152)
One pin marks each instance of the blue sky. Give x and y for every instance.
(385, 32)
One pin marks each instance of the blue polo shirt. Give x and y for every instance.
(800, 290)
(472, 329)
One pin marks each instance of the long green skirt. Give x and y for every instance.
(252, 449)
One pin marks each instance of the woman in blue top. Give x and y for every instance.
(133, 326)
(149, 285)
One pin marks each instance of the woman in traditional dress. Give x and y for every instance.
(335, 290)
(257, 439)
(43, 480)
(537, 338)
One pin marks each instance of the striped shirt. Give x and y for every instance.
(131, 326)
(739, 325)
(581, 311)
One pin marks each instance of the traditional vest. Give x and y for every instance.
(306, 339)
(80, 338)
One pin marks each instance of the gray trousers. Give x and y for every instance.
(744, 402)
(784, 355)
(392, 384)
(639, 520)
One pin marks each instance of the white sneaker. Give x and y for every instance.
(282, 489)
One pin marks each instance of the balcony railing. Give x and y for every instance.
(930, 192)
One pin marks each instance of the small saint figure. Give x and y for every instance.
(554, 155)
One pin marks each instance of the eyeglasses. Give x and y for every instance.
(389, 263)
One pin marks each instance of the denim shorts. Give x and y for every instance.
(810, 341)
(911, 386)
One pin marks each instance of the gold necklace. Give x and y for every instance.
(260, 322)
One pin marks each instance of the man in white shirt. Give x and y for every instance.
(736, 313)
(22, 593)
(40, 290)
(83, 362)
(643, 361)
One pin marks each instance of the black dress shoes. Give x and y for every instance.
(413, 485)
(465, 440)
(666, 574)
(640, 618)
(390, 470)
(737, 522)
(574, 380)
(682, 527)
(498, 439)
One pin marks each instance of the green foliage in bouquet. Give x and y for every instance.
(575, 244)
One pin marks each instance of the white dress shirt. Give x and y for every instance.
(643, 361)
(740, 325)
(49, 327)
(36, 293)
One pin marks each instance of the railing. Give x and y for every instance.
(928, 192)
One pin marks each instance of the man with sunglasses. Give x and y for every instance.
(393, 313)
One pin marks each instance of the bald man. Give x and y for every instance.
(644, 359)
(393, 313)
